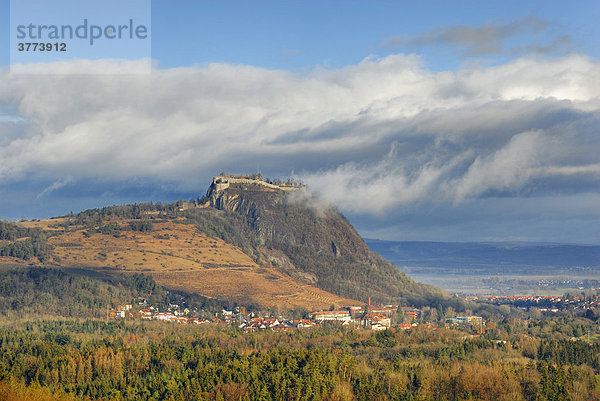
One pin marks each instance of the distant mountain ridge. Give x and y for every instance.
(484, 254)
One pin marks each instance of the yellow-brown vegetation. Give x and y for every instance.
(180, 257)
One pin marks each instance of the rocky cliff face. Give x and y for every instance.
(317, 244)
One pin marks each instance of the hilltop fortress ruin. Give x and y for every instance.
(243, 182)
(224, 181)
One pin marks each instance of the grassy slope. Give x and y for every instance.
(187, 260)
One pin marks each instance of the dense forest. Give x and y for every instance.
(23, 243)
(84, 294)
(153, 361)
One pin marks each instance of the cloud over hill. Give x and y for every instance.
(374, 136)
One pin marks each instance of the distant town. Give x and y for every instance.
(547, 303)
(368, 317)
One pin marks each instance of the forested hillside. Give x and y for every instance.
(23, 243)
(30, 292)
(134, 361)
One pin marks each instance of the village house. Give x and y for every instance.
(303, 323)
(378, 327)
(475, 322)
(355, 311)
(280, 327)
(411, 313)
(165, 316)
(387, 310)
(271, 322)
(470, 320)
(334, 315)
(376, 321)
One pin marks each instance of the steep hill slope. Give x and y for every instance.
(309, 241)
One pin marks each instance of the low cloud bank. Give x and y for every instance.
(368, 137)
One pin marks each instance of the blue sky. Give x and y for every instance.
(301, 35)
(419, 120)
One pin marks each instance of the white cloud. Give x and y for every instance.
(371, 136)
(54, 186)
(380, 186)
(508, 168)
